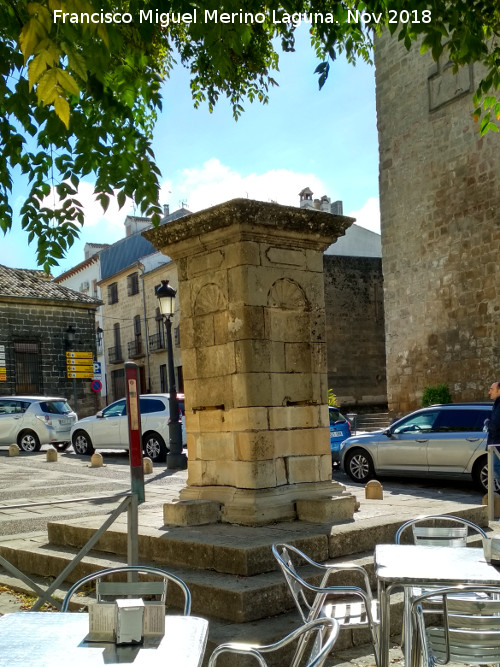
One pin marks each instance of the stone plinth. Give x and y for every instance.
(253, 346)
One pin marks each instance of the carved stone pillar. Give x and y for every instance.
(253, 347)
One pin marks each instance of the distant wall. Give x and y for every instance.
(355, 330)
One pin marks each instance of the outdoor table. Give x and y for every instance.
(401, 565)
(45, 639)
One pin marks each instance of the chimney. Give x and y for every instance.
(166, 210)
(306, 198)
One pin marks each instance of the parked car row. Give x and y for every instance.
(437, 441)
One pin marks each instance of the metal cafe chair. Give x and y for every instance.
(352, 606)
(467, 630)
(115, 589)
(452, 531)
(322, 633)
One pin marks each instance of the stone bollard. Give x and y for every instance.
(147, 465)
(14, 450)
(374, 490)
(52, 455)
(96, 460)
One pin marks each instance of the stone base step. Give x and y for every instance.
(240, 550)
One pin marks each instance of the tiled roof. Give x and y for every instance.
(33, 284)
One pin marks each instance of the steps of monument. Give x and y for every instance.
(239, 550)
(223, 596)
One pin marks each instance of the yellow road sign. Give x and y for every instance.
(88, 376)
(86, 361)
(78, 355)
(79, 369)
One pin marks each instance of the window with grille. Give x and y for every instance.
(113, 293)
(28, 367)
(133, 284)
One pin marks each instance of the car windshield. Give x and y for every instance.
(55, 407)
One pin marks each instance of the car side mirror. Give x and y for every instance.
(99, 414)
(387, 432)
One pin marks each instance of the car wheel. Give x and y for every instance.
(154, 446)
(62, 446)
(480, 474)
(359, 465)
(28, 441)
(82, 444)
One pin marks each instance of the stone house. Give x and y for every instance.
(39, 322)
(440, 211)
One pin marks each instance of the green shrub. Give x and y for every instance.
(439, 393)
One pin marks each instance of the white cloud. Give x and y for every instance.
(215, 183)
(110, 220)
(368, 215)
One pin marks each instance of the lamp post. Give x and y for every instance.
(166, 301)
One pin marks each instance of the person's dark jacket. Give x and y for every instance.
(494, 424)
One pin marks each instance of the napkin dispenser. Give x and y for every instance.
(129, 621)
(491, 548)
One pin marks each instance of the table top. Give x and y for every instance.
(447, 566)
(45, 639)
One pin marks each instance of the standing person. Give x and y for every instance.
(493, 426)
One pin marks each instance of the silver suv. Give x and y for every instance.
(437, 441)
(33, 421)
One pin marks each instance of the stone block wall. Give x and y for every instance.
(254, 361)
(354, 304)
(46, 324)
(440, 212)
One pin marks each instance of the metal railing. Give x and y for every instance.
(115, 355)
(156, 342)
(135, 349)
(129, 504)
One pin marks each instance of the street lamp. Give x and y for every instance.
(166, 301)
(69, 337)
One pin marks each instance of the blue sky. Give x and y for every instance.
(326, 140)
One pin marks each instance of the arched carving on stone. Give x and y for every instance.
(209, 299)
(286, 294)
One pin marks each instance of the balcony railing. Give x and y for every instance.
(135, 349)
(156, 342)
(115, 355)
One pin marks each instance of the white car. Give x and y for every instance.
(108, 429)
(33, 421)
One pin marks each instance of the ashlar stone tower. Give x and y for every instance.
(440, 212)
(254, 359)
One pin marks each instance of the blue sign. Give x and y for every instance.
(97, 369)
(96, 385)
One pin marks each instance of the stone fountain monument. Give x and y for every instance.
(253, 345)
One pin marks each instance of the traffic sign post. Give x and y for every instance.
(96, 385)
(134, 430)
